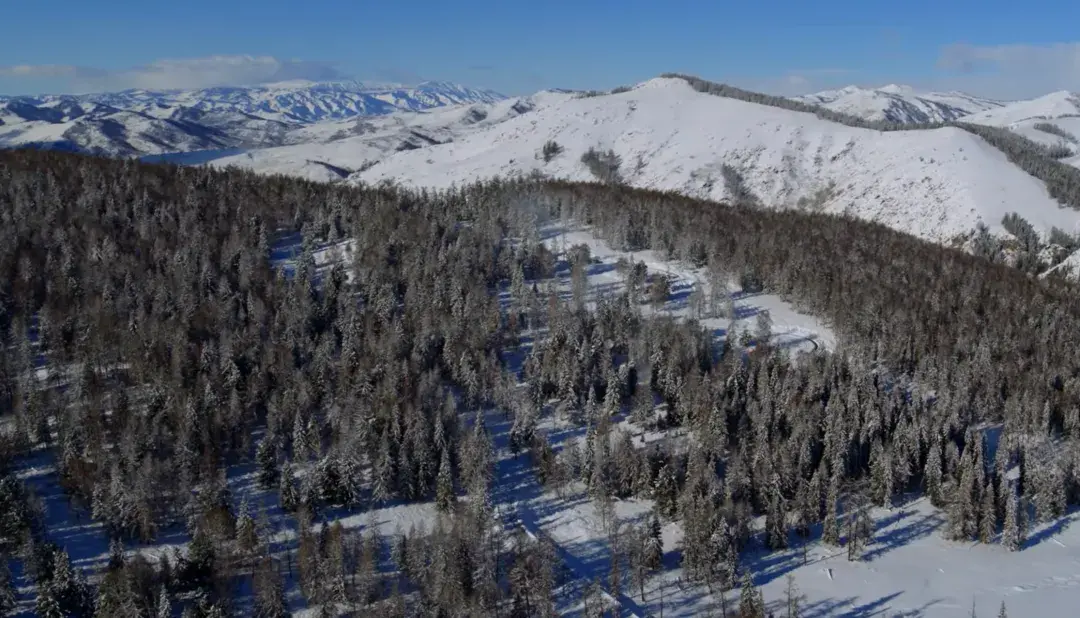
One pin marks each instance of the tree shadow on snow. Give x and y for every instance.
(1052, 529)
(888, 540)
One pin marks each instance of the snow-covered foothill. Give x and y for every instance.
(331, 151)
(936, 184)
(897, 103)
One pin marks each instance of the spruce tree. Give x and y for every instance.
(444, 484)
(65, 593)
(653, 556)
(164, 603)
(1014, 531)
(8, 595)
(776, 519)
(988, 519)
(246, 536)
(288, 493)
(266, 459)
(792, 599)
(751, 603)
(830, 534)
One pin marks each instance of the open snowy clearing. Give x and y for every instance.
(790, 329)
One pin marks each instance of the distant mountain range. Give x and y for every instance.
(902, 104)
(145, 122)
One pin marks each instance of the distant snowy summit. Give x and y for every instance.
(305, 102)
(294, 101)
(902, 104)
(147, 122)
(1061, 104)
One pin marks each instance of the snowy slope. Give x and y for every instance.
(1054, 105)
(935, 184)
(322, 151)
(1068, 125)
(902, 104)
(1060, 109)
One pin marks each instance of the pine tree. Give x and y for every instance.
(116, 599)
(860, 528)
(197, 566)
(164, 603)
(8, 595)
(66, 594)
(1014, 531)
(1001, 612)
(288, 493)
(444, 484)
(666, 491)
(116, 555)
(653, 556)
(266, 459)
(791, 595)
(751, 603)
(988, 519)
(962, 509)
(246, 536)
(383, 475)
(830, 533)
(776, 519)
(933, 475)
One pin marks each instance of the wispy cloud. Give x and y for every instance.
(179, 73)
(803, 81)
(1010, 71)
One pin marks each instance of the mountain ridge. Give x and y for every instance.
(179, 120)
(934, 183)
(900, 103)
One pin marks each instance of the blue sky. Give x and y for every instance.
(992, 47)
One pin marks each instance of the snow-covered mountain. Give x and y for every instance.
(100, 129)
(937, 184)
(302, 101)
(1054, 105)
(896, 103)
(332, 150)
(1053, 120)
(143, 122)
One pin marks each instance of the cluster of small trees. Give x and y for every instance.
(604, 164)
(550, 150)
(1053, 129)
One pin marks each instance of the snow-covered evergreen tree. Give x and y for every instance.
(653, 556)
(1014, 531)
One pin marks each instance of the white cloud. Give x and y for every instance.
(1010, 71)
(1006, 72)
(184, 73)
(38, 70)
(800, 81)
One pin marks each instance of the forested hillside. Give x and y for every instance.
(153, 351)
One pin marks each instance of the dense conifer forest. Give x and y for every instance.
(151, 345)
